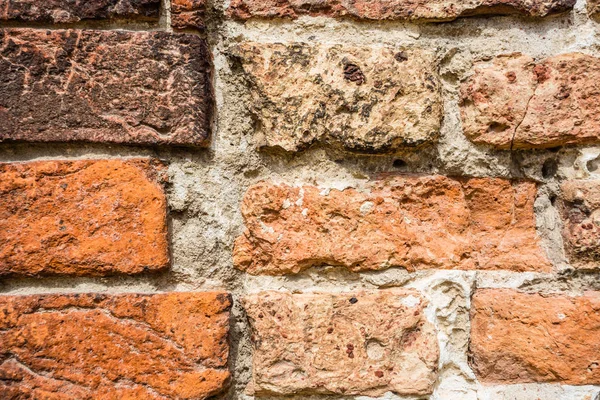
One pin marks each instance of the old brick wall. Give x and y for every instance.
(294, 199)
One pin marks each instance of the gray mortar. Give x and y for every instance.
(206, 185)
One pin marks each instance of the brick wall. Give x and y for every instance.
(293, 199)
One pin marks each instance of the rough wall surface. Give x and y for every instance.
(452, 171)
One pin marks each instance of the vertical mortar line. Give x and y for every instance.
(165, 16)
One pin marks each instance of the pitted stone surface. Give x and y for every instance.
(92, 217)
(368, 99)
(104, 86)
(415, 222)
(520, 337)
(98, 346)
(66, 11)
(428, 10)
(580, 211)
(188, 14)
(514, 102)
(363, 343)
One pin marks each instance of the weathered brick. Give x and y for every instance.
(82, 217)
(104, 86)
(368, 99)
(129, 346)
(364, 343)
(415, 222)
(188, 14)
(580, 211)
(515, 102)
(593, 7)
(428, 10)
(65, 11)
(521, 337)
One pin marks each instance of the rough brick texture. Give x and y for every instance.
(514, 102)
(130, 346)
(350, 343)
(109, 86)
(580, 210)
(188, 14)
(593, 7)
(66, 11)
(432, 10)
(366, 99)
(408, 221)
(519, 337)
(82, 217)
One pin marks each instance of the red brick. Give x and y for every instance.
(188, 14)
(428, 10)
(515, 102)
(580, 210)
(82, 217)
(64, 11)
(104, 86)
(519, 337)
(128, 346)
(415, 222)
(363, 343)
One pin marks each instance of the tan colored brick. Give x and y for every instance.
(520, 337)
(363, 343)
(515, 102)
(129, 346)
(65, 11)
(580, 211)
(82, 217)
(364, 99)
(422, 10)
(105, 86)
(415, 222)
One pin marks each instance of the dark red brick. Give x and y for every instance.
(104, 86)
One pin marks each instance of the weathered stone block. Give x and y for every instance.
(363, 343)
(520, 337)
(515, 102)
(90, 217)
(427, 10)
(67, 11)
(188, 14)
(580, 211)
(368, 100)
(104, 86)
(129, 346)
(415, 222)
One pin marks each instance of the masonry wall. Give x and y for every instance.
(294, 199)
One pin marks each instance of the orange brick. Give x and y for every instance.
(519, 337)
(127, 346)
(84, 217)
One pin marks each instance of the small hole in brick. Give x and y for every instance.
(592, 165)
(353, 300)
(398, 163)
(549, 168)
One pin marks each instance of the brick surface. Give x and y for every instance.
(519, 337)
(65, 11)
(82, 217)
(593, 7)
(130, 346)
(188, 14)
(104, 86)
(415, 222)
(515, 102)
(363, 343)
(364, 99)
(580, 211)
(432, 10)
